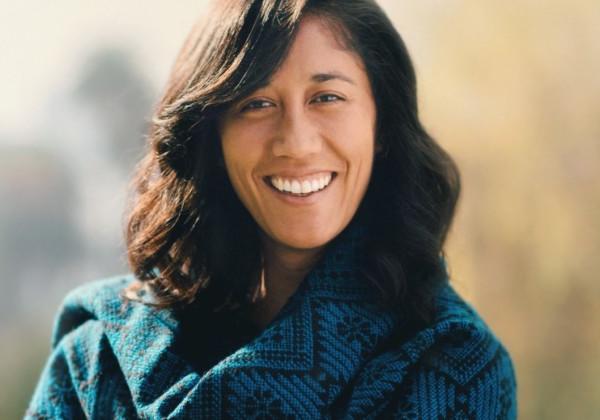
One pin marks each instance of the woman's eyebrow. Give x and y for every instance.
(324, 77)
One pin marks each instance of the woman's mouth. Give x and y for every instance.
(301, 186)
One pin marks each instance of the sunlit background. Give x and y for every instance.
(511, 89)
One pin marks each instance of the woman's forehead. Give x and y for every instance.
(317, 55)
(338, 34)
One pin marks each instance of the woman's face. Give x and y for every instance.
(299, 151)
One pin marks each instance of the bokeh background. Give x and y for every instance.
(510, 88)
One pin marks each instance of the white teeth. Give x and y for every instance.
(306, 187)
(295, 186)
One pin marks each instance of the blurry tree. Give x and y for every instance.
(39, 247)
(61, 206)
(119, 98)
(37, 236)
(98, 124)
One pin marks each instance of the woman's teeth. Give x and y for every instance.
(304, 186)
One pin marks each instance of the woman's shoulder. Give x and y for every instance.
(462, 358)
(455, 367)
(455, 318)
(459, 345)
(88, 302)
(82, 370)
(107, 302)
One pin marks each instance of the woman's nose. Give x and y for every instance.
(297, 135)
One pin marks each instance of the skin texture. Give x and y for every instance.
(316, 116)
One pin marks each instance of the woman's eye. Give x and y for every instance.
(257, 104)
(328, 97)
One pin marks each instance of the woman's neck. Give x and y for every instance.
(284, 269)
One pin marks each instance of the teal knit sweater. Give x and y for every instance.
(330, 353)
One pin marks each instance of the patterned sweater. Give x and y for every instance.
(330, 353)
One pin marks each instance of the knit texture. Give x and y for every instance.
(331, 352)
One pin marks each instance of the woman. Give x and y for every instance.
(286, 241)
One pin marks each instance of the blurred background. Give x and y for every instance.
(510, 89)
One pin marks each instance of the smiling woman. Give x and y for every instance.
(299, 152)
(286, 241)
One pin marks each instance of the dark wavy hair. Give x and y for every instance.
(188, 235)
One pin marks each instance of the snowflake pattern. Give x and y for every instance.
(354, 328)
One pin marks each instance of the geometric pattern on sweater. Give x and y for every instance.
(455, 369)
(288, 344)
(329, 353)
